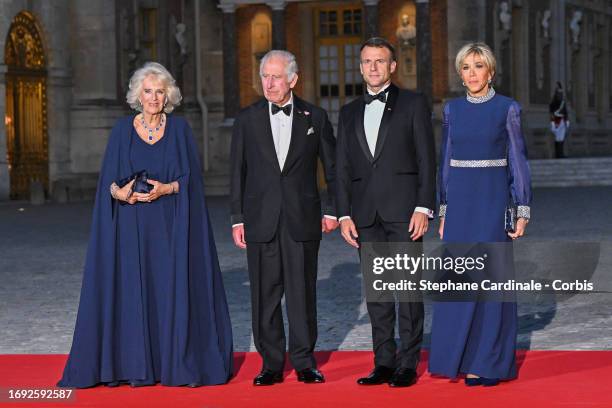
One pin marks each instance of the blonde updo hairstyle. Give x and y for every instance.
(173, 93)
(480, 49)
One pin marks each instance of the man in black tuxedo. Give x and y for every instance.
(276, 214)
(385, 193)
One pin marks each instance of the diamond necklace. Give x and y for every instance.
(151, 130)
(481, 99)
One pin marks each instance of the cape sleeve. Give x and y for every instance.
(196, 264)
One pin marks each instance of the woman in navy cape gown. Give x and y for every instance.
(152, 307)
(483, 167)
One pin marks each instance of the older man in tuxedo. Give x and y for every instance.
(276, 214)
(385, 193)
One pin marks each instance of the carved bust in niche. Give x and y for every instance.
(406, 32)
(406, 47)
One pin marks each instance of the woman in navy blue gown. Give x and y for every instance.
(153, 306)
(483, 167)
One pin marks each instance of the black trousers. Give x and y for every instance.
(383, 314)
(284, 266)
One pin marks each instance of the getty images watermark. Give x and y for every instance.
(480, 271)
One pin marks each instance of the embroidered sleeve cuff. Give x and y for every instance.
(442, 212)
(523, 211)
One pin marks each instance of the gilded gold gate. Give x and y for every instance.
(26, 105)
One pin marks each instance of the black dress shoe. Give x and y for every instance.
(380, 375)
(403, 377)
(473, 381)
(112, 384)
(310, 376)
(487, 382)
(267, 377)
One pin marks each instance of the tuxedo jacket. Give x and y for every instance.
(400, 175)
(261, 193)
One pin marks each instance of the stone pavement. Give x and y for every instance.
(42, 250)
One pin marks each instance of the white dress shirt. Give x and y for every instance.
(372, 117)
(281, 131)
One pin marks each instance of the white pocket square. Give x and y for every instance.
(310, 131)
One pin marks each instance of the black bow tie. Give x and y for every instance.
(381, 96)
(286, 109)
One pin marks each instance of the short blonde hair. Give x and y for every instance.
(480, 49)
(173, 93)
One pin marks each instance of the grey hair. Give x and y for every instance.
(173, 93)
(291, 65)
(480, 49)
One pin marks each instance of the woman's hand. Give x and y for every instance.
(159, 189)
(441, 228)
(519, 231)
(123, 193)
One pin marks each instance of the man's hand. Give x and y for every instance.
(519, 231)
(238, 235)
(328, 225)
(418, 225)
(441, 229)
(349, 232)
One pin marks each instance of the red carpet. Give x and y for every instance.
(546, 379)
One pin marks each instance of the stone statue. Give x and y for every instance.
(574, 26)
(546, 24)
(180, 38)
(406, 32)
(505, 17)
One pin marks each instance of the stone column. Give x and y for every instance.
(423, 29)
(370, 18)
(54, 17)
(231, 91)
(558, 46)
(279, 41)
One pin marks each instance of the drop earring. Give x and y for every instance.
(463, 83)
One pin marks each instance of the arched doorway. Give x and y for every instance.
(26, 102)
